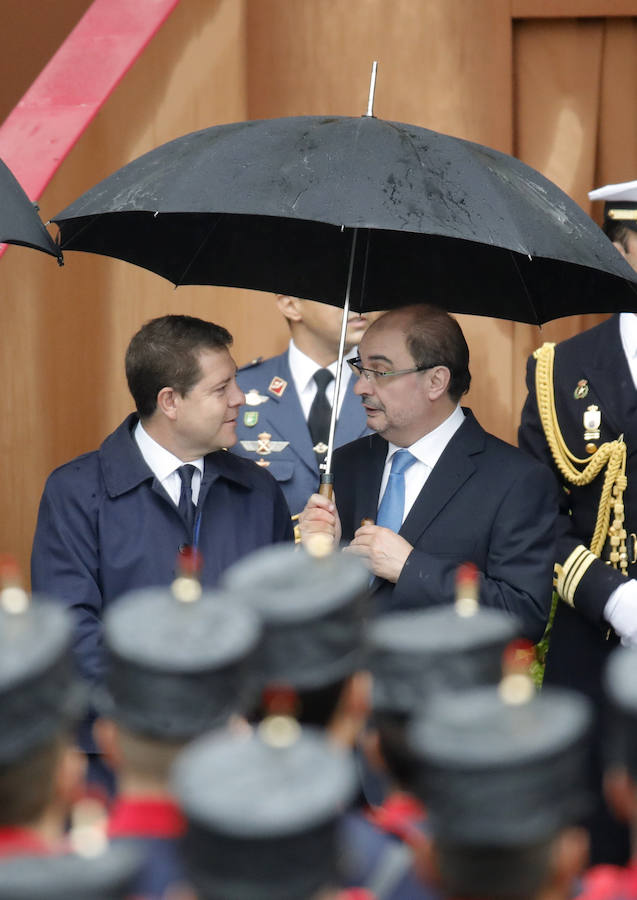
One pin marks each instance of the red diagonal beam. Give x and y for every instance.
(62, 101)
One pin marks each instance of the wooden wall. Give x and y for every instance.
(468, 67)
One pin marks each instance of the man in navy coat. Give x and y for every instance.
(274, 428)
(463, 495)
(117, 518)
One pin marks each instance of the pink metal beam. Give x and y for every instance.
(62, 101)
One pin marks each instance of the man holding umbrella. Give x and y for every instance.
(440, 489)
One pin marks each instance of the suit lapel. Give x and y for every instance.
(368, 478)
(451, 471)
(286, 414)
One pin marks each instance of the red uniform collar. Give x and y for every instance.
(400, 814)
(152, 817)
(18, 841)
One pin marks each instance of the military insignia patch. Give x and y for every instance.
(320, 448)
(254, 398)
(581, 389)
(264, 445)
(250, 418)
(264, 463)
(277, 386)
(592, 420)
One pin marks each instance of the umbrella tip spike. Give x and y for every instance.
(372, 89)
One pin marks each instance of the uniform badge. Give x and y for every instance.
(254, 398)
(264, 463)
(581, 389)
(592, 420)
(250, 418)
(277, 386)
(320, 448)
(264, 445)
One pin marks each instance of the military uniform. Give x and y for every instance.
(595, 404)
(272, 429)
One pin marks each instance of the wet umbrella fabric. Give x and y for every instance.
(19, 220)
(271, 205)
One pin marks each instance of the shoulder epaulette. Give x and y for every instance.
(253, 362)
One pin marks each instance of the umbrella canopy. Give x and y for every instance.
(270, 205)
(19, 220)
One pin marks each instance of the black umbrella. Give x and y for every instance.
(354, 211)
(271, 205)
(19, 220)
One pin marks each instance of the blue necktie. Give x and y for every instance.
(186, 506)
(392, 506)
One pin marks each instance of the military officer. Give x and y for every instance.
(284, 425)
(580, 419)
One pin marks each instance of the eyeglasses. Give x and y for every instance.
(374, 374)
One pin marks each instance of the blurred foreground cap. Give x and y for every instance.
(262, 811)
(109, 876)
(39, 695)
(414, 653)
(620, 680)
(502, 773)
(313, 612)
(176, 669)
(620, 203)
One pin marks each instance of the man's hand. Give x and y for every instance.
(320, 516)
(385, 551)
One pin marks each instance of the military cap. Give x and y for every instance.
(262, 811)
(503, 772)
(413, 653)
(620, 205)
(620, 681)
(312, 609)
(39, 695)
(109, 876)
(176, 665)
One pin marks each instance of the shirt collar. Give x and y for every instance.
(628, 332)
(303, 368)
(429, 448)
(162, 462)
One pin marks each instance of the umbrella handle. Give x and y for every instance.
(326, 487)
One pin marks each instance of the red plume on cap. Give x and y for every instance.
(189, 562)
(9, 570)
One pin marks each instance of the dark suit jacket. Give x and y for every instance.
(295, 467)
(484, 502)
(580, 642)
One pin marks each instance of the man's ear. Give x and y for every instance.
(167, 402)
(619, 246)
(290, 307)
(569, 859)
(621, 794)
(439, 384)
(106, 737)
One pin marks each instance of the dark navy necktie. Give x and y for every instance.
(392, 506)
(186, 506)
(320, 412)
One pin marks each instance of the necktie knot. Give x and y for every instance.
(185, 473)
(322, 377)
(402, 460)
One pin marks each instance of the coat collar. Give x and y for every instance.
(123, 466)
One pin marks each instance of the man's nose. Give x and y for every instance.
(361, 386)
(238, 398)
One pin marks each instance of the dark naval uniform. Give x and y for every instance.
(595, 403)
(272, 430)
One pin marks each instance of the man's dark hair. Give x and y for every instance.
(164, 353)
(501, 873)
(435, 339)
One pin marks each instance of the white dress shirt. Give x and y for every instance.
(427, 450)
(164, 465)
(303, 370)
(628, 334)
